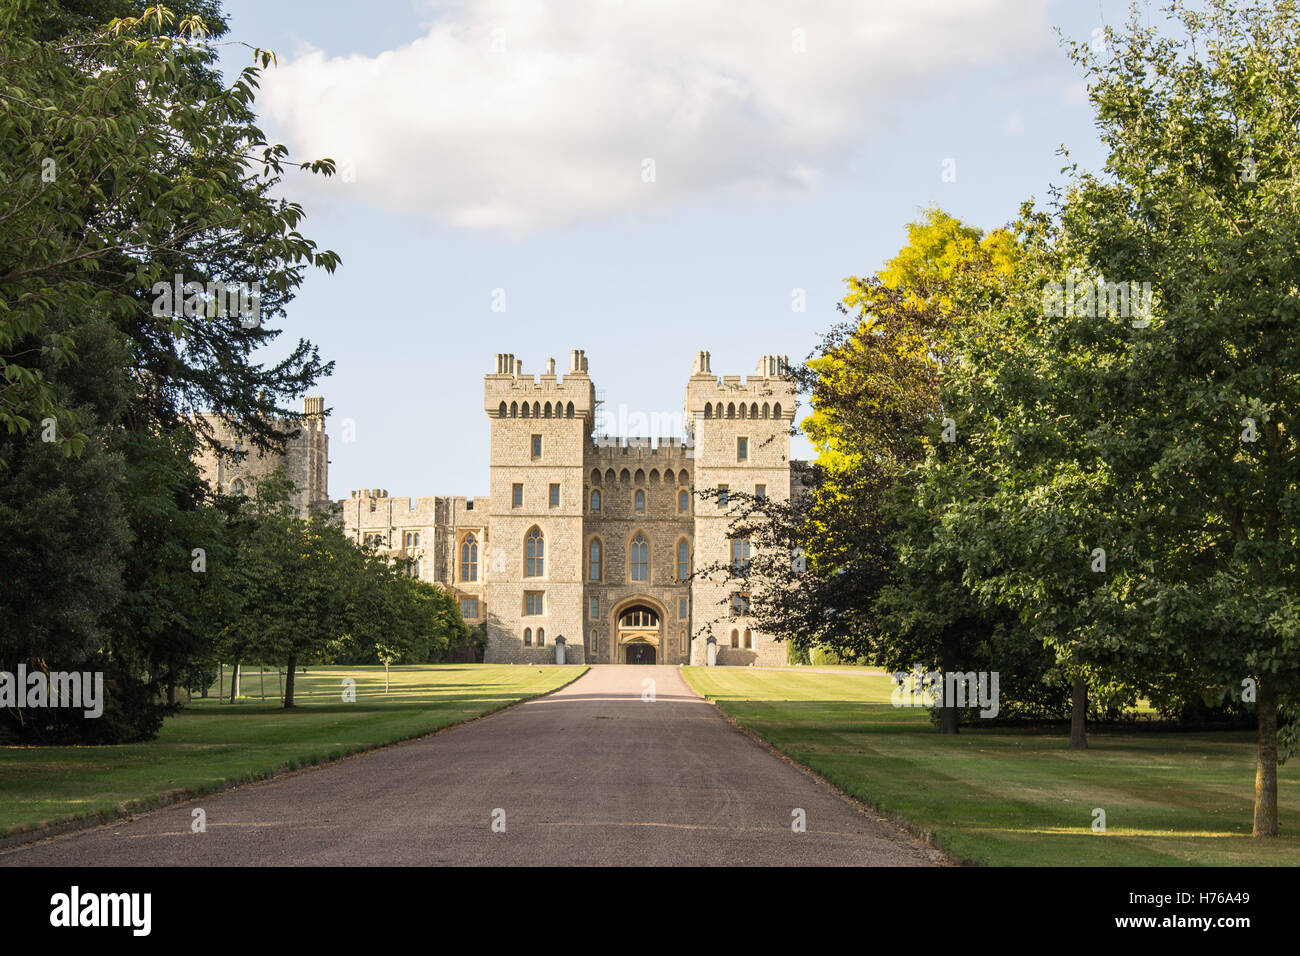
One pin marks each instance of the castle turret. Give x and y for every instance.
(540, 428)
(741, 432)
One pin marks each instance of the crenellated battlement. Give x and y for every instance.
(769, 393)
(612, 448)
(509, 393)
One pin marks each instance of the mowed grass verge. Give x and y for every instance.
(211, 745)
(1017, 797)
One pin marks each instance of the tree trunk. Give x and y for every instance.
(948, 716)
(221, 682)
(1266, 763)
(261, 681)
(1079, 715)
(234, 681)
(171, 693)
(288, 681)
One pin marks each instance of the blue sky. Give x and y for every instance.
(500, 145)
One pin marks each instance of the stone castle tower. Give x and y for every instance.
(235, 467)
(596, 539)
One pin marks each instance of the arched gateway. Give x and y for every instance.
(639, 628)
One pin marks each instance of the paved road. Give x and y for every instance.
(590, 774)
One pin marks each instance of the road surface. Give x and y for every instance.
(590, 774)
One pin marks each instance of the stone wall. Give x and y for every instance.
(234, 464)
(560, 414)
(759, 409)
(617, 471)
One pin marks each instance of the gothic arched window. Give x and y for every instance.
(469, 558)
(535, 554)
(639, 555)
(740, 555)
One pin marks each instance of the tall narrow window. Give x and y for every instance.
(593, 561)
(735, 637)
(555, 496)
(683, 608)
(516, 496)
(469, 558)
(742, 449)
(683, 560)
(535, 554)
(760, 493)
(640, 555)
(640, 502)
(683, 500)
(740, 555)
(537, 446)
(595, 643)
(541, 636)
(595, 501)
(722, 495)
(528, 637)
(593, 609)
(749, 638)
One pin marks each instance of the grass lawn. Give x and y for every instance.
(1012, 797)
(210, 744)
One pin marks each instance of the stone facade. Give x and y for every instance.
(234, 467)
(621, 524)
(429, 532)
(589, 538)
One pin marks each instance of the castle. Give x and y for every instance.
(587, 538)
(232, 467)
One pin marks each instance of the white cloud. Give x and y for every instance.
(556, 126)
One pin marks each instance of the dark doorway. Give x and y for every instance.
(640, 654)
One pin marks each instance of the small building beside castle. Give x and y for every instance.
(585, 537)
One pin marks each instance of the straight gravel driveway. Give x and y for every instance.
(593, 773)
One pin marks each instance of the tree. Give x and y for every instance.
(134, 165)
(1022, 503)
(877, 413)
(1200, 196)
(387, 656)
(127, 162)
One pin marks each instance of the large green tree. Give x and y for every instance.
(126, 161)
(1201, 197)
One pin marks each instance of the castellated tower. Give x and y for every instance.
(307, 462)
(598, 540)
(237, 467)
(741, 432)
(540, 429)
